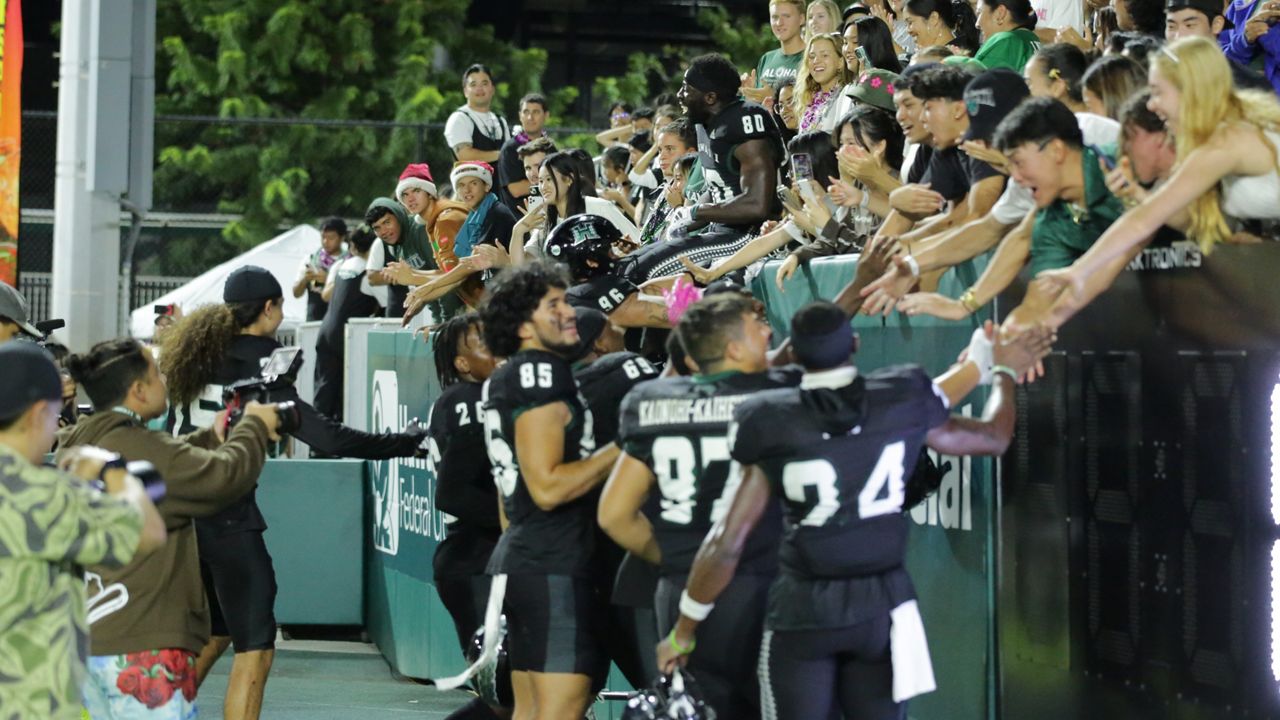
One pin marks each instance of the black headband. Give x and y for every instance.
(820, 352)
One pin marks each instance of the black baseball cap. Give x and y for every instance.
(1211, 8)
(989, 98)
(14, 307)
(249, 283)
(29, 376)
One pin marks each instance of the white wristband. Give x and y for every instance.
(911, 263)
(693, 609)
(792, 229)
(982, 355)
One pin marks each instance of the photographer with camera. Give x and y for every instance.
(15, 318)
(213, 347)
(154, 609)
(51, 524)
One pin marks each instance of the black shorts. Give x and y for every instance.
(552, 624)
(810, 673)
(663, 259)
(241, 585)
(728, 642)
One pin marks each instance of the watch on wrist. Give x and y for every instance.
(969, 302)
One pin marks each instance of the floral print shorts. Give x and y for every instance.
(152, 684)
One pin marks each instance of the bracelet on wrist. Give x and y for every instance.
(1004, 370)
(671, 638)
(969, 301)
(913, 265)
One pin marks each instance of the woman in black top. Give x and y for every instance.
(209, 349)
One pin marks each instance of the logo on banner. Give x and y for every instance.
(951, 507)
(385, 409)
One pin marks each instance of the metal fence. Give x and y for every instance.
(37, 287)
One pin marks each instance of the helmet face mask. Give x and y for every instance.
(583, 238)
(670, 698)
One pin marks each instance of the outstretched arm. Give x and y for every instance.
(990, 435)
(1203, 169)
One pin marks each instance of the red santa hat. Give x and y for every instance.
(472, 168)
(416, 175)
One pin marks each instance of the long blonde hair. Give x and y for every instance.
(833, 12)
(806, 86)
(1208, 100)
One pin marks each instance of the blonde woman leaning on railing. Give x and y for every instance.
(1227, 143)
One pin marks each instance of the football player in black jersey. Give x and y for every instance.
(674, 434)
(606, 373)
(843, 630)
(587, 245)
(540, 440)
(464, 482)
(741, 151)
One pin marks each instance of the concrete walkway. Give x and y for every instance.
(314, 680)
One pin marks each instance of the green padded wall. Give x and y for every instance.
(315, 523)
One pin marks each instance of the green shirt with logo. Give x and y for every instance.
(1063, 232)
(1011, 49)
(775, 67)
(51, 525)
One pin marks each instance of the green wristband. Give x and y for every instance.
(1004, 370)
(680, 648)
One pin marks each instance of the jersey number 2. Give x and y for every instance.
(752, 124)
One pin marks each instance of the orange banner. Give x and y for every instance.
(10, 136)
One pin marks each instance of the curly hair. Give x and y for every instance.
(513, 297)
(108, 370)
(446, 343)
(192, 351)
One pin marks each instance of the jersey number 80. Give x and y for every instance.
(752, 124)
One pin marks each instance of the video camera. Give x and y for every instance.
(279, 373)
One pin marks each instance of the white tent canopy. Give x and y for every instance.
(281, 255)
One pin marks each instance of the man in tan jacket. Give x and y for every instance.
(150, 618)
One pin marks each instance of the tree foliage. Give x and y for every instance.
(340, 59)
(355, 60)
(740, 38)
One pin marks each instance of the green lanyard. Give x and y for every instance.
(129, 413)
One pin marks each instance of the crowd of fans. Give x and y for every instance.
(1059, 136)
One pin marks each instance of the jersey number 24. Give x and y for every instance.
(880, 495)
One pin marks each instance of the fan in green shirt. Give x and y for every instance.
(1046, 153)
(775, 66)
(786, 20)
(1006, 26)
